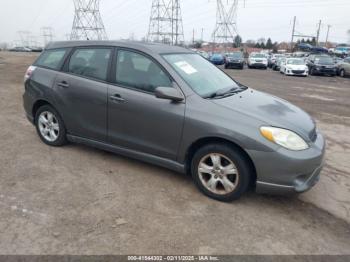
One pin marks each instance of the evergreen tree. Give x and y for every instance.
(269, 44)
(237, 41)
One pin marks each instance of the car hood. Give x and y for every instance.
(271, 110)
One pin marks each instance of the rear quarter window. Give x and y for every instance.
(51, 58)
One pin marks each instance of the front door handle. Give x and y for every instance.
(117, 98)
(63, 84)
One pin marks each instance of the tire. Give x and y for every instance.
(228, 155)
(55, 130)
(342, 73)
(312, 72)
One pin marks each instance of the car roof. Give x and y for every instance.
(146, 47)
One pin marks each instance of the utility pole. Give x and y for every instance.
(202, 35)
(291, 43)
(165, 24)
(87, 24)
(328, 27)
(318, 32)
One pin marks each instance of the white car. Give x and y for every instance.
(294, 66)
(257, 60)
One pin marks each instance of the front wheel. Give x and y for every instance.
(342, 73)
(50, 126)
(221, 172)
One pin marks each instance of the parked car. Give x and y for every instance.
(272, 59)
(257, 60)
(294, 66)
(203, 54)
(277, 65)
(36, 49)
(234, 60)
(168, 106)
(20, 49)
(321, 65)
(217, 59)
(344, 67)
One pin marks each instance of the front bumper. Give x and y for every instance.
(325, 71)
(258, 65)
(285, 171)
(234, 64)
(297, 72)
(215, 62)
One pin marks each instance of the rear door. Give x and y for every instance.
(136, 118)
(82, 92)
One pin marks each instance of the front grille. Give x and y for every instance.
(298, 71)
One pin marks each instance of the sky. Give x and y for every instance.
(123, 18)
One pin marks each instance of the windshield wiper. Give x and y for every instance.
(224, 92)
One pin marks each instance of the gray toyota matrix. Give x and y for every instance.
(169, 106)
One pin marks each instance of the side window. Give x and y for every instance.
(137, 71)
(90, 62)
(51, 58)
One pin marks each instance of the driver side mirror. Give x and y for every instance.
(169, 93)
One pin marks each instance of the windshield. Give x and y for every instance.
(217, 56)
(258, 56)
(295, 62)
(324, 60)
(202, 76)
(235, 55)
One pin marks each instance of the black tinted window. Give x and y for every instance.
(90, 62)
(138, 71)
(51, 58)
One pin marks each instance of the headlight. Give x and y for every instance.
(284, 137)
(289, 68)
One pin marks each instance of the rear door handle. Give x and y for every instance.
(63, 84)
(117, 98)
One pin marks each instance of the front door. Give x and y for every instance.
(138, 120)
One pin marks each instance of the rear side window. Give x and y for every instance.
(51, 58)
(90, 62)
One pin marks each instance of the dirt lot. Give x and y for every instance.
(79, 200)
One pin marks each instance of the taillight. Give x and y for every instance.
(29, 72)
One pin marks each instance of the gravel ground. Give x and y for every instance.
(79, 200)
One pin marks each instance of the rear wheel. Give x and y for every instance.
(50, 126)
(221, 172)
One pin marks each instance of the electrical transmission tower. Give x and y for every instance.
(226, 22)
(165, 24)
(47, 34)
(87, 24)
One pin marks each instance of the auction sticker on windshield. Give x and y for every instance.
(186, 67)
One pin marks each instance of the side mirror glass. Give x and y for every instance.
(169, 93)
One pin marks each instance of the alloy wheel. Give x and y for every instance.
(218, 174)
(48, 126)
